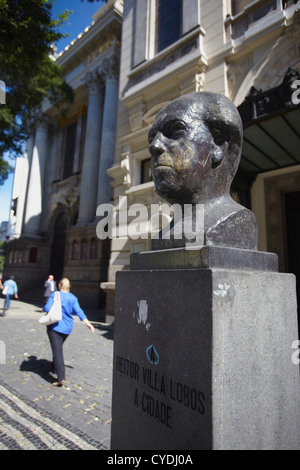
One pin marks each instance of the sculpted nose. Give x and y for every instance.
(157, 147)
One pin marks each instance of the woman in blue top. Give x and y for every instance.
(58, 332)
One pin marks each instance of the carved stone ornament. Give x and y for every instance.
(120, 172)
(292, 30)
(93, 82)
(136, 112)
(109, 68)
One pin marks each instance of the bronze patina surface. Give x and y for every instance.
(195, 145)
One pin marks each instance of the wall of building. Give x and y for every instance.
(64, 176)
(231, 53)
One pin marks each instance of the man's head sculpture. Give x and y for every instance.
(195, 145)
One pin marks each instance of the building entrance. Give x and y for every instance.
(58, 247)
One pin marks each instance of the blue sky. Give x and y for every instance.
(5, 197)
(77, 22)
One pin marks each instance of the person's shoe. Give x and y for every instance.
(58, 384)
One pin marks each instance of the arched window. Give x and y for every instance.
(146, 171)
(57, 257)
(33, 254)
(70, 139)
(84, 249)
(75, 250)
(93, 248)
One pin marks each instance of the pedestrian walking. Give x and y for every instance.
(59, 332)
(9, 290)
(50, 286)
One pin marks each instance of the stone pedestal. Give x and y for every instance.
(203, 360)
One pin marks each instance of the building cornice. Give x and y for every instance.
(106, 25)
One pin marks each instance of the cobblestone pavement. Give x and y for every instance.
(33, 413)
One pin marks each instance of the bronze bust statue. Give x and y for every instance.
(195, 145)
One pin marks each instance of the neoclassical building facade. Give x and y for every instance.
(63, 175)
(248, 50)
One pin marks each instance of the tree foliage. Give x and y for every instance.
(27, 37)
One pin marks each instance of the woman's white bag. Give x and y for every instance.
(5, 289)
(54, 315)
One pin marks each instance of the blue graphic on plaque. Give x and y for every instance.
(152, 355)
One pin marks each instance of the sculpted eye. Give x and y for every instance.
(178, 132)
(220, 132)
(174, 130)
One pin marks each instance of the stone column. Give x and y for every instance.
(49, 177)
(36, 179)
(110, 69)
(88, 189)
(26, 162)
(59, 150)
(81, 113)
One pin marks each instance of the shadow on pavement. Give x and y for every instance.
(33, 302)
(108, 329)
(42, 367)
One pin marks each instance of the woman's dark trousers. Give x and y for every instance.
(57, 340)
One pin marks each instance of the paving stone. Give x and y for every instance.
(79, 413)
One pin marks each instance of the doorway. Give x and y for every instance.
(58, 246)
(292, 214)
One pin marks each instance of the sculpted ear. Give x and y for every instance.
(219, 153)
(221, 138)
